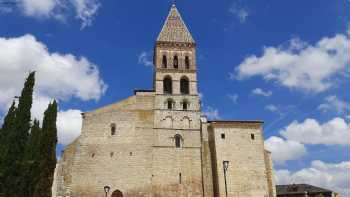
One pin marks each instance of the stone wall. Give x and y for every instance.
(270, 174)
(122, 161)
(207, 173)
(242, 144)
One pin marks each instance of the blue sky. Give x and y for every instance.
(284, 62)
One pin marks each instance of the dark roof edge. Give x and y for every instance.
(135, 91)
(236, 121)
(312, 187)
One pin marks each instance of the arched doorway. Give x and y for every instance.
(117, 193)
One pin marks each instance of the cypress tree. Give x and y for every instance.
(6, 129)
(31, 160)
(47, 163)
(7, 126)
(16, 141)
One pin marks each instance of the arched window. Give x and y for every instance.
(170, 103)
(164, 62)
(184, 105)
(187, 62)
(184, 85)
(176, 62)
(178, 139)
(167, 85)
(113, 129)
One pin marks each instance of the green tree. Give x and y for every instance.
(19, 137)
(27, 152)
(6, 129)
(16, 141)
(47, 163)
(31, 160)
(7, 126)
(319, 195)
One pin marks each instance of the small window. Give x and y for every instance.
(176, 62)
(184, 105)
(223, 136)
(180, 178)
(170, 103)
(113, 129)
(164, 62)
(187, 62)
(178, 141)
(252, 136)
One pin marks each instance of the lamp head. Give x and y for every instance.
(226, 163)
(107, 188)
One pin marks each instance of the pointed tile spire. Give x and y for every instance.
(174, 29)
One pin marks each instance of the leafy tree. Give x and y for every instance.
(319, 195)
(47, 163)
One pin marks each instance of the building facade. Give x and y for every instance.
(157, 143)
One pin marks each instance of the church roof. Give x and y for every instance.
(299, 189)
(174, 29)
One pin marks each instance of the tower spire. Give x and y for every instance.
(175, 29)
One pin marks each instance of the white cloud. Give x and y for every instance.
(38, 8)
(69, 122)
(334, 103)
(40, 104)
(272, 108)
(69, 125)
(233, 98)
(212, 113)
(284, 150)
(59, 76)
(84, 10)
(261, 92)
(240, 12)
(145, 58)
(300, 65)
(334, 176)
(333, 132)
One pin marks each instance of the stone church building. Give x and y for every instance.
(158, 143)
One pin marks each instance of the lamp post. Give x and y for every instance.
(106, 189)
(225, 165)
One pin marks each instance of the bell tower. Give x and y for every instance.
(177, 137)
(175, 58)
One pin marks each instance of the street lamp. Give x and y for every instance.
(225, 165)
(106, 188)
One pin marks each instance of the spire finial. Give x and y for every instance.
(174, 29)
